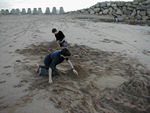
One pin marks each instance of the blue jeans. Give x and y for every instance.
(44, 71)
(63, 44)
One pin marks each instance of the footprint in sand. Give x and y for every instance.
(146, 52)
(10, 46)
(7, 67)
(7, 74)
(21, 84)
(109, 41)
(1, 82)
(18, 86)
(35, 36)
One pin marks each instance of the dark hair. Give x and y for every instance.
(65, 52)
(54, 30)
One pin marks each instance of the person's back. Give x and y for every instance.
(59, 36)
(51, 56)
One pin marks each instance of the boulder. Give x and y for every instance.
(138, 12)
(97, 5)
(92, 7)
(143, 13)
(110, 11)
(148, 12)
(127, 12)
(124, 8)
(108, 4)
(135, 6)
(86, 12)
(141, 7)
(148, 6)
(119, 12)
(82, 11)
(103, 4)
(119, 4)
(96, 10)
(100, 13)
(129, 4)
(130, 8)
(135, 3)
(92, 12)
(145, 17)
(133, 13)
(138, 1)
(115, 8)
(138, 17)
(105, 12)
(147, 2)
(113, 5)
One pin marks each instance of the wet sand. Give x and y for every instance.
(112, 60)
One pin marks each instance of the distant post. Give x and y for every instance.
(29, 11)
(23, 11)
(17, 12)
(54, 10)
(35, 12)
(47, 12)
(61, 11)
(39, 11)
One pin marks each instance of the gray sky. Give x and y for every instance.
(69, 5)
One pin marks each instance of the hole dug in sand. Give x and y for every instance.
(107, 81)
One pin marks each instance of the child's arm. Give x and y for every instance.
(50, 76)
(62, 40)
(73, 69)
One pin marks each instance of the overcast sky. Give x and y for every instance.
(69, 5)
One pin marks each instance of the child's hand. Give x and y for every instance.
(75, 72)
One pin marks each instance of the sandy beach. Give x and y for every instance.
(113, 61)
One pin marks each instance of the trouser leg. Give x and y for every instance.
(55, 72)
(43, 70)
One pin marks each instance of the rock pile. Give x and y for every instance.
(136, 10)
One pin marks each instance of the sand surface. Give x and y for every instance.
(113, 61)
